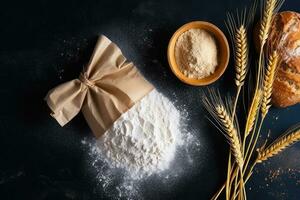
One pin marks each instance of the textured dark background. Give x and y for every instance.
(44, 43)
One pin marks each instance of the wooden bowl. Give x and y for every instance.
(223, 53)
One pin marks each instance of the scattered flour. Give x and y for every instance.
(148, 147)
(143, 140)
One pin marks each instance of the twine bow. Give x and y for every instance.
(83, 78)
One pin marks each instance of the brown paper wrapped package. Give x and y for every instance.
(108, 87)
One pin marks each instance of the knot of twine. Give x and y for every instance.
(83, 78)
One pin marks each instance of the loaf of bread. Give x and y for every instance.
(285, 38)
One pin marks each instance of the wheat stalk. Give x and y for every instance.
(268, 83)
(253, 111)
(221, 112)
(237, 28)
(234, 141)
(278, 146)
(269, 10)
(241, 55)
(232, 134)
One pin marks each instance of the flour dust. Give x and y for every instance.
(148, 145)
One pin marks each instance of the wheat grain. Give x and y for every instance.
(268, 83)
(253, 111)
(241, 55)
(221, 112)
(281, 144)
(271, 7)
(232, 134)
(269, 10)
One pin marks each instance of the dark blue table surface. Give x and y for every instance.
(44, 43)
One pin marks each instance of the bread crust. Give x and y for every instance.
(285, 38)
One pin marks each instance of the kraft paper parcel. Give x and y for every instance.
(106, 88)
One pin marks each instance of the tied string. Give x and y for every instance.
(83, 78)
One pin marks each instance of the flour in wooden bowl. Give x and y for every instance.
(196, 53)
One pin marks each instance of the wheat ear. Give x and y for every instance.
(237, 28)
(232, 134)
(270, 6)
(268, 83)
(221, 112)
(253, 111)
(278, 146)
(241, 55)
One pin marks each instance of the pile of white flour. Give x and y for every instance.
(149, 149)
(143, 140)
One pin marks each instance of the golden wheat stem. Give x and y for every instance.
(234, 175)
(239, 88)
(251, 152)
(265, 105)
(251, 140)
(217, 194)
(228, 187)
(214, 104)
(252, 120)
(268, 82)
(231, 167)
(242, 193)
(252, 145)
(259, 71)
(238, 184)
(278, 146)
(235, 178)
(254, 109)
(244, 143)
(246, 180)
(244, 189)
